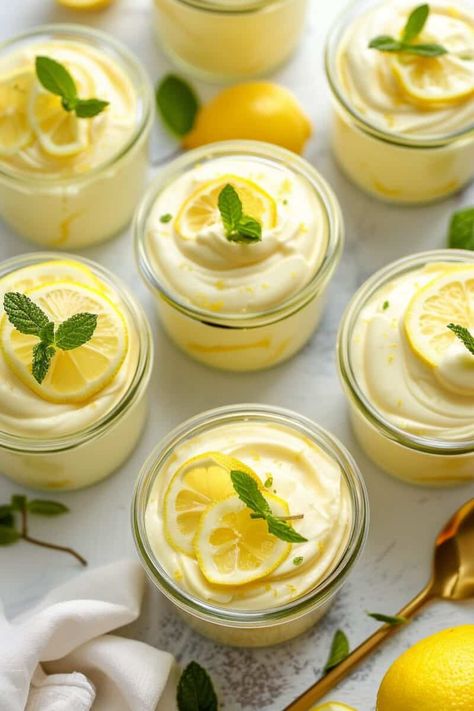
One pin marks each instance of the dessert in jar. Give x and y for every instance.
(407, 372)
(75, 362)
(229, 39)
(247, 295)
(204, 543)
(69, 179)
(403, 125)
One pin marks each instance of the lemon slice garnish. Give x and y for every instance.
(232, 548)
(198, 483)
(48, 272)
(15, 129)
(432, 81)
(59, 132)
(449, 298)
(333, 706)
(75, 375)
(85, 4)
(201, 210)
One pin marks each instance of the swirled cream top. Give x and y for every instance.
(306, 477)
(214, 274)
(369, 84)
(23, 412)
(98, 76)
(416, 398)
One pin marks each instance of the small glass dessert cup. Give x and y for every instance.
(409, 381)
(84, 419)
(235, 305)
(68, 182)
(393, 133)
(285, 453)
(225, 40)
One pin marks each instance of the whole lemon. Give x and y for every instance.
(259, 111)
(436, 674)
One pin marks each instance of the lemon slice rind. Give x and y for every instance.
(433, 81)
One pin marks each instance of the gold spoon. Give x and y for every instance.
(452, 579)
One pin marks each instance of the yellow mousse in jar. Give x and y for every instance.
(247, 295)
(407, 356)
(74, 363)
(402, 77)
(248, 516)
(70, 178)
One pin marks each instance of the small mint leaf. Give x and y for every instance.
(230, 207)
(46, 334)
(18, 502)
(8, 535)
(249, 229)
(298, 560)
(247, 490)
(385, 43)
(195, 690)
(76, 331)
(415, 23)
(338, 652)
(166, 218)
(7, 518)
(42, 355)
(283, 530)
(424, 50)
(43, 507)
(268, 482)
(177, 104)
(392, 620)
(461, 229)
(88, 108)
(466, 338)
(55, 78)
(24, 314)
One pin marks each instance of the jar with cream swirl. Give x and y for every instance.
(232, 304)
(403, 125)
(68, 182)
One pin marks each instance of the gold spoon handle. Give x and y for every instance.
(321, 687)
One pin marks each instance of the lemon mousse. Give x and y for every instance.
(402, 78)
(238, 241)
(408, 374)
(75, 359)
(249, 518)
(229, 39)
(73, 137)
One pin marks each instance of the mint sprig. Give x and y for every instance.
(177, 104)
(338, 652)
(28, 318)
(247, 490)
(392, 620)
(461, 229)
(195, 690)
(464, 335)
(405, 45)
(56, 79)
(238, 226)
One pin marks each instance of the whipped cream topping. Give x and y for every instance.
(23, 412)
(369, 84)
(426, 401)
(306, 477)
(214, 274)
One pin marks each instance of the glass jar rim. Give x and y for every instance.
(400, 139)
(71, 440)
(130, 64)
(324, 193)
(321, 592)
(428, 445)
(221, 8)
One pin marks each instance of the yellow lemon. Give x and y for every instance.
(259, 111)
(333, 706)
(436, 674)
(15, 130)
(234, 549)
(198, 483)
(85, 4)
(74, 375)
(429, 81)
(201, 210)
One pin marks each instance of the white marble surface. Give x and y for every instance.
(405, 520)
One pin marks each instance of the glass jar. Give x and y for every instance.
(417, 459)
(267, 338)
(76, 211)
(81, 458)
(395, 167)
(263, 627)
(229, 40)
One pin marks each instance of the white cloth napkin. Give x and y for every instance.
(58, 657)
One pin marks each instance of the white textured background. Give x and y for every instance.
(405, 519)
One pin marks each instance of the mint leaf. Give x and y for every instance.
(76, 331)
(392, 620)
(247, 490)
(298, 560)
(42, 355)
(177, 104)
(87, 108)
(230, 207)
(43, 507)
(249, 230)
(282, 529)
(385, 43)
(6, 516)
(195, 690)
(464, 336)
(461, 229)
(18, 502)
(338, 652)
(166, 218)
(56, 79)
(24, 314)
(268, 482)
(8, 535)
(385, 305)
(46, 333)
(415, 23)
(424, 50)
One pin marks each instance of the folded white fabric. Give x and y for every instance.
(58, 657)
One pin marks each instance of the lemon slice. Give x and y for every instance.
(85, 4)
(201, 210)
(232, 548)
(431, 81)
(48, 272)
(15, 130)
(449, 298)
(198, 483)
(333, 706)
(59, 132)
(74, 375)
